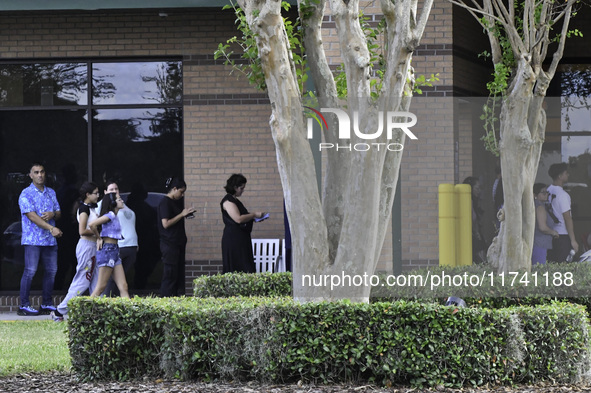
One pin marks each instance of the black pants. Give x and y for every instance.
(560, 249)
(173, 274)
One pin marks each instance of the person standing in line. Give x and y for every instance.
(237, 255)
(85, 277)
(498, 196)
(543, 233)
(561, 208)
(148, 252)
(39, 210)
(67, 196)
(128, 246)
(108, 260)
(173, 239)
(479, 245)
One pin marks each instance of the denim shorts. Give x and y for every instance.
(108, 256)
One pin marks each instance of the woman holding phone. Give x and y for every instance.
(237, 253)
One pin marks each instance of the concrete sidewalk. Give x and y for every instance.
(13, 316)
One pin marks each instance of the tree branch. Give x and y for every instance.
(502, 10)
(563, 35)
(354, 50)
(311, 16)
(337, 168)
(543, 32)
(528, 24)
(478, 11)
(422, 21)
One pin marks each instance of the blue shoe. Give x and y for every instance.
(46, 310)
(27, 310)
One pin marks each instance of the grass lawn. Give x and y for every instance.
(33, 346)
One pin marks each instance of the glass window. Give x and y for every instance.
(576, 151)
(572, 80)
(123, 138)
(59, 139)
(43, 84)
(137, 83)
(131, 131)
(568, 139)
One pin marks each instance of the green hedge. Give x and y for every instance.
(279, 340)
(114, 339)
(498, 293)
(549, 281)
(555, 343)
(243, 284)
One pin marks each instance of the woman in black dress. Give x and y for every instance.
(173, 240)
(236, 243)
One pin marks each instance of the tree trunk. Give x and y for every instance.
(336, 243)
(522, 129)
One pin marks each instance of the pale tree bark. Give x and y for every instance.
(523, 118)
(341, 233)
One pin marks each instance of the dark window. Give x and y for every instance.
(122, 140)
(128, 127)
(568, 139)
(136, 83)
(43, 84)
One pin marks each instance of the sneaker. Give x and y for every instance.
(46, 310)
(57, 316)
(27, 310)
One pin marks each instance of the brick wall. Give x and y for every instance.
(10, 303)
(427, 162)
(221, 140)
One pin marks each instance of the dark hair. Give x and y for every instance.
(233, 182)
(538, 187)
(111, 181)
(86, 188)
(109, 203)
(36, 163)
(471, 180)
(174, 182)
(556, 170)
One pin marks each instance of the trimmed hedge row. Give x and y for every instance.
(243, 284)
(279, 340)
(481, 283)
(114, 339)
(495, 292)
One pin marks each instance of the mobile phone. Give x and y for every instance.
(264, 217)
(190, 215)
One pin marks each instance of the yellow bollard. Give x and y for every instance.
(464, 224)
(447, 230)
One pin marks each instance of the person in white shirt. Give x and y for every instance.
(561, 210)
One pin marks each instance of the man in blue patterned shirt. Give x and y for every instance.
(39, 210)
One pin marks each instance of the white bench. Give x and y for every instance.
(268, 255)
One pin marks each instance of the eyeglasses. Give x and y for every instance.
(544, 192)
(95, 193)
